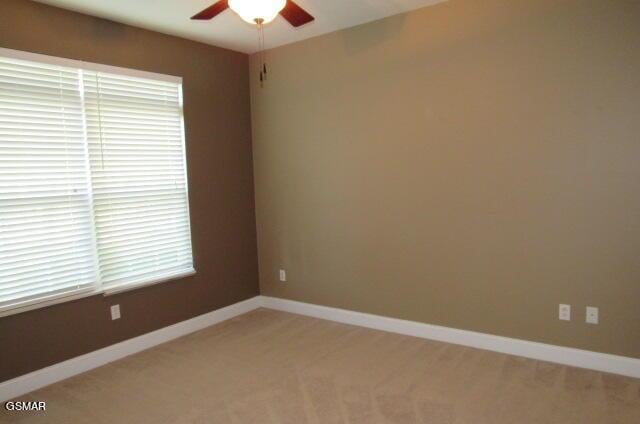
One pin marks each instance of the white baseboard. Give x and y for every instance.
(545, 352)
(49, 375)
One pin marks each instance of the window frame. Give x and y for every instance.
(96, 289)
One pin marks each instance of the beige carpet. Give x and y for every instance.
(273, 367)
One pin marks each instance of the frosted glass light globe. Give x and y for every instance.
(254, 10)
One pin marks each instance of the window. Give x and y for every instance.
(93, 187)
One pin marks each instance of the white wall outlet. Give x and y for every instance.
(283, 275)
(115, 312)
(564, 312)
(592, 315)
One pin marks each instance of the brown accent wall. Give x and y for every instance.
(218, 135)
(471, 164)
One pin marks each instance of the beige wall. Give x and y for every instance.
(472, 164)
(218, 138)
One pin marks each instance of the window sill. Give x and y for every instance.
(135, 286)
(43, 303)
(63, 298)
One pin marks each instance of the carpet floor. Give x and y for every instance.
(275, 367)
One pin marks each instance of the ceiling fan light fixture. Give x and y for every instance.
(257, 11)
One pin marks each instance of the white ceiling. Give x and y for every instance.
(227, 29)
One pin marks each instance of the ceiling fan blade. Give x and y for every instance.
(296, 15)
(212, 11)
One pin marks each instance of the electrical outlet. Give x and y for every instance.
(592, 315)
(115, 312)
(564, 312)
(283, 275)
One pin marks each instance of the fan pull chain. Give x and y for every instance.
(263, 54)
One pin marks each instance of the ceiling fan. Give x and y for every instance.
(259, 13)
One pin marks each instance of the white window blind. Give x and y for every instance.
(45, 225)
(93, 190)
(138, 175)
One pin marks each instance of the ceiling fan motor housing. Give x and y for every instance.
(257, 11)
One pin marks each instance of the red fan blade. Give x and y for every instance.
(296, 15)
(212, 11)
